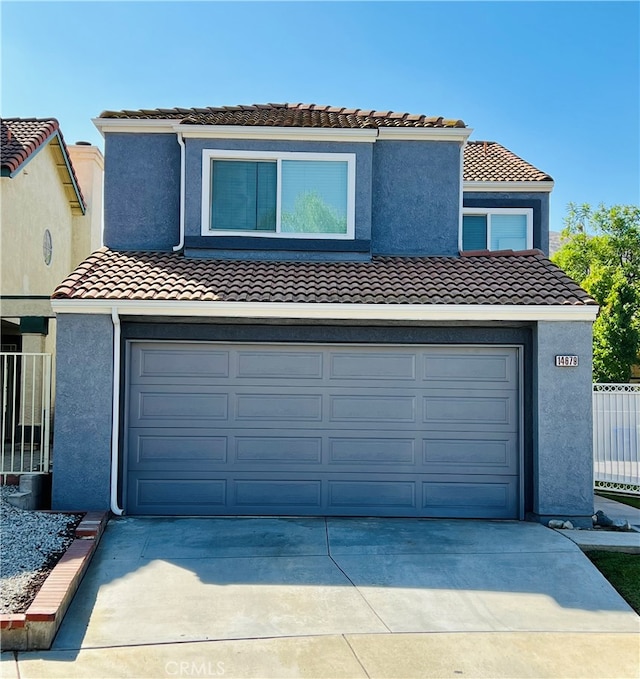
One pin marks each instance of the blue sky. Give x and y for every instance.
(558, 83)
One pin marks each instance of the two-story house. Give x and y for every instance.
(305, 310)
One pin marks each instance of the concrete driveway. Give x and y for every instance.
(340, 598)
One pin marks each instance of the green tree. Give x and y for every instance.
(311, 214)
(601, 251)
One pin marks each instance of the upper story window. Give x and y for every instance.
(497, 228)
(278, 194)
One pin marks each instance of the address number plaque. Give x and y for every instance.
(566, 361)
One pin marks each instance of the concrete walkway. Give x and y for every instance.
(613, 541)
(618, 510)
(242, 597)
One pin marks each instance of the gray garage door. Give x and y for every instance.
(427, 431)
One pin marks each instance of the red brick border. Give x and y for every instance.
(12, 620)
(37, 628)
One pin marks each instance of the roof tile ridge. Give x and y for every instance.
(31, 119)
(478, 142)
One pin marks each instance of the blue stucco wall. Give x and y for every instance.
(141, 191)
(563, 423)
(538, 201)
(407, 193)
(416, 198)
(194, 148)
(557, 401)
(82, 431)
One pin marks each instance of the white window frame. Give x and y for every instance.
(488, 212)
(210, 154)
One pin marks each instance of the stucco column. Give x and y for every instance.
(84, 403)
(563, 424)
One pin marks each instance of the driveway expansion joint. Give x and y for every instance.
(355, 655)
(362, 596)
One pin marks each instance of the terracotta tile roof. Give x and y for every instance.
(288, 115)
(487, 161)
(21, 138)
(484, 278)
(483, 160)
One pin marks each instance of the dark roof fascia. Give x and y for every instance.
(72, 176)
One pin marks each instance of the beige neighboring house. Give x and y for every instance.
(51, 219)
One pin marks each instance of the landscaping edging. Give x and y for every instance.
(36, 629)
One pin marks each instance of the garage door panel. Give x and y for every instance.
(278, 450)
(365, 495)
(369, 366)
(373, 451)
(335, 430)
(176, 450)
(192, 495)
(355, 408)
(297, 494)
(155, 407)
(464, 412)
(470, 453)
(285, 365)
(173, 450)
(478, 368)
(326, 451)
(470, 496)
(164, 364)
(275, 407)
(317, 495)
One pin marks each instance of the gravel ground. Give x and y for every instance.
(31, 543)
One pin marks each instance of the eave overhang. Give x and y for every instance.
(169, 126)
(508, 186)
(372, 312)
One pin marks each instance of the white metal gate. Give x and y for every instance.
(616, 436)
(25, 412)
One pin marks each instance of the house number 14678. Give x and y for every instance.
(566, 361)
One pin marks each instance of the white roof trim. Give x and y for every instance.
(165, 126)
(171, 125)
(288, 133)
(425, 133)
(509, 187)
(381, 312)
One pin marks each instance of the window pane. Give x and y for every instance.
(243, 195)
(314, 196)
(508, 232)
(474, 232)
(266, 196)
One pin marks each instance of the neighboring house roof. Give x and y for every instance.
(525, 278)
(288, 115)
(22, 138)
(487, 161)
